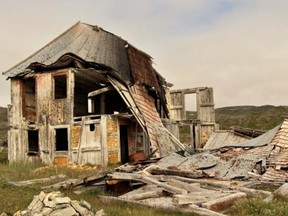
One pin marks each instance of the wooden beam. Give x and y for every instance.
(100, 91)
(223, 202)
(145, 195)
(189, 174)
(37, 181)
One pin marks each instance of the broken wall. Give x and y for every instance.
(202, 127)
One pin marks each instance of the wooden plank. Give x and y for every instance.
(145, 195)
(147, 180)
(185, 186)
(190, 209)
(224, 202)
(37, 181)
(169, 188)
(189, 174)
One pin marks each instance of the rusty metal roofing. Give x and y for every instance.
(90, 43)
(273, 175)
(281, 138)
(221, 138)
(280, 159)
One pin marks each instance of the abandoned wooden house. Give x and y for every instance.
(89, 97)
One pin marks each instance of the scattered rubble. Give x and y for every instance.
(55, 204)
(206, 182)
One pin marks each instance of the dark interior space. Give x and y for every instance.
(108, 103)
(124, 143)
(33, 141)
(86, 81)
(61, 139)
(60, 87)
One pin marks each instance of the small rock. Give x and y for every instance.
(80, 209)
(24, 213)
(62, 200)
(61, 206)
(37, 214)
(269, 198)
(66, 211)
(46, 211)
(3, 214)
(18, 213)
(282, 191)
(56, 194)
(33, 203)
(85, 205)
(100, 213)
(42, 196)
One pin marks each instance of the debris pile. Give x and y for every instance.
(206, 183)
(55, 204)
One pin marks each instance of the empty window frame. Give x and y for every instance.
(29, 99)
(61, 140)
(60, 86)
(33, 141)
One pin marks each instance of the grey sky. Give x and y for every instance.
(238, 47)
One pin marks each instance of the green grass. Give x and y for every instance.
(13, 198)
(257, 207)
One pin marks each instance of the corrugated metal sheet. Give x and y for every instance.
(235, 167)
(273, 175)
(280, 159)
(262, 140)
(193, 162)
(260, 152)
(222, 138)
(199, 161)
(90, 43)
(281, 138)
(173, 160)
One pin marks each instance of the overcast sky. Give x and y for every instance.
(238, 47)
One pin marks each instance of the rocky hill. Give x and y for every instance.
(3, 124)
(255, 117)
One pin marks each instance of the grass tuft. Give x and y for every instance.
(258, 207)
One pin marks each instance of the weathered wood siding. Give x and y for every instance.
(50, 112)
(15, 150)
(177, 106)
(202, 130)
(88, 149)
(205, 105)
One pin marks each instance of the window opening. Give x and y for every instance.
(33, 142)
(60, 87)
(190, 106)
(61, 139)
(92, 127)
(29, 101)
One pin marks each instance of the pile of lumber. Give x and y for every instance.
(159, 184)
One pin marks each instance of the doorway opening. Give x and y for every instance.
(124, 143)
(61, 139)
(33, 142)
